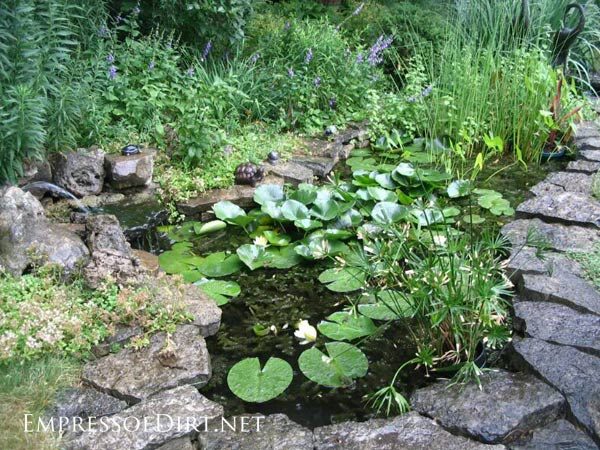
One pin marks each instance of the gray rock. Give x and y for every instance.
(82, 402)
(556, 236)
(586, 130)
(569, 207)
(26, 236)
(358, 133)
(528, 261)
(130, 171)
(559, 435)
(172, 414)
(134, 375)
(559, 324)
(589, 167)
(243, 196)
(274, 432)
(121, 337)
(35, 171)
(112, 257)
(590, 155)
(184, 443)
(293, 173)
(408, 432)
(508, 405)
(588, 143)
(318, 147)
(206, 313)
(80, 172)
(558, 182)
(321, 166)
(563, 288)
(345, 151)
(572, 372)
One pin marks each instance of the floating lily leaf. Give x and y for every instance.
(344, 326)
(342, 363)
(209, 227)
(220, 291)
(231, 213)
(386, 213)
(252, 384)
(308, 224)
(335, 234)
(274, 238)
(388, 305)
(382, 195)
(294, 210)
(305, 194)
(179, 259)
(474, 219)
(272, 210)
(251, 255)
(347, 279)
(220, 265)
(428, 216)
(191, 276)
(268, 193)
(433, 176)
(451, 211)
(364, 178)
(459, 188)
(180, 233)
(282, 258)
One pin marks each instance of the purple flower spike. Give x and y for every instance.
(110, 58)
(191, 72)
(359, 9)
(112, 72)
(254, 58)
(151, 65)
(375, 53)
(317, 81)
(360, 58)
(309, 56)
(206, 51)
(332, 103)
(103, 31)
(291, 72)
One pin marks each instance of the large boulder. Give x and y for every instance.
(27, 237)
(167, 362)
(507, 405)
(124, 172)
(80, 172)
(112, 257)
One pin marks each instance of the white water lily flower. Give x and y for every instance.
(305, 332)
(261, 241)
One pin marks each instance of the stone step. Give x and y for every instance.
(507, 406)
(133, 375)
(558, 182)
(528, 261)
(581, 165)
(408, 432)
(558, 324)
(590, 155)
(257, 432)
(567, 207)
(587, 129)
(574, 373)
(556, 236)
(563, 288)
(292, 172)
(559, 435)
(157, 420)
(588, 143)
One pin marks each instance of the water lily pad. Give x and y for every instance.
(386, 213)
(344, 326)
(474, 219)
(277, 239)
(251, 255)
(428, 216)
(305, 194)
(385, 180)
(231, 213)
(209, 227)
(273, 210)
(387, 305)
(220, 265)
(347, 279)
(325, 209)
(220, 291)
(459, 188)
(249, 382)
(338, 368)
(381, 195)
(308, 224)
(282, 258)
(294, 210)
(403, 170)
(350, 219)
(268, 193)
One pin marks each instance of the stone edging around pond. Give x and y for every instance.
(317, 159)
(544, 407)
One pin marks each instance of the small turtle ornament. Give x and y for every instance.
(130, 150)
(248, 173)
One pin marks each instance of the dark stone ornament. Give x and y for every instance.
(130, 150)
(273, 157)
(331, 130)
(248, 173)
(566, 37)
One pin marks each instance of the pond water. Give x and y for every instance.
(280, 298)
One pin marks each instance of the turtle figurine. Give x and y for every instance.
(248, 173)
(130, 150)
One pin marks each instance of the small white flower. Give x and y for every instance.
(440, 240)
(261, 241)
(326, 359)
(305, 332)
